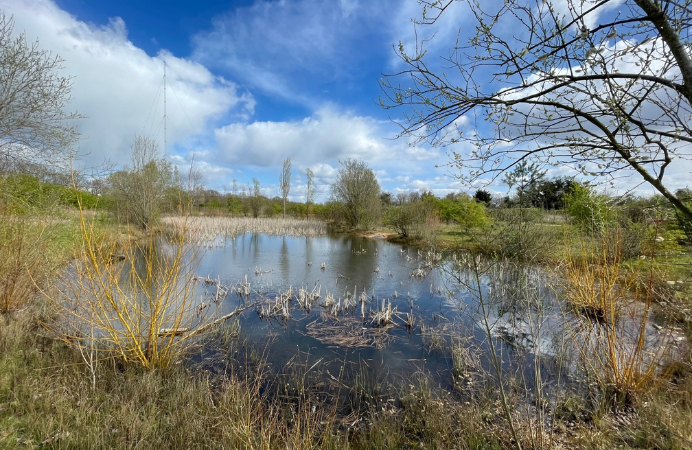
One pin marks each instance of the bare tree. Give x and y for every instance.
(602, 85)
(34, 126)
(140, 191)
(285, 181)
(309, 191)
(358, 190)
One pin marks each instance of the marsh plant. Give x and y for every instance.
(208, 230)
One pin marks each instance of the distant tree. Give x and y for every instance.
(140, 191)
(233, 201)
(234, 204)
(309, 191)
(34, 125)
(357, 189)
(245, 200)
(483, 196)
(524, 176)
(549, 194)
(427, 194)
(684, 194)
(285, 181)
(212, 198)
(413, 196)
(256, 198)
(296, 209)
(386, 198)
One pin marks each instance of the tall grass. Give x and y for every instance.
(22, 256)
(27, 259)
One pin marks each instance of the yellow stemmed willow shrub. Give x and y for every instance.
(595, 283)
(608, 324)
(134, 301)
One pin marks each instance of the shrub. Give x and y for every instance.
(410, 219)
(613, 351)
(464, 211)
(588, 210)
(138, 305)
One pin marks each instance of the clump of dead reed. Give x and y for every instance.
(306, 299)
(348, 332)
(419, 273)
(207, 231)
(243, 289)
(385, 315)
(279, 308)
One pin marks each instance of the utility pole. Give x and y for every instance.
(165, 117)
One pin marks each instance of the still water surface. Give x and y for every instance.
(272, 264)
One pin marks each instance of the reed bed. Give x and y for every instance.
(211, 231)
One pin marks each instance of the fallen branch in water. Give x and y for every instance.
(200, 330)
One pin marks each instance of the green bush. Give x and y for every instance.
(409, 219)
(464, 211)
(588, 210)
(23, 193)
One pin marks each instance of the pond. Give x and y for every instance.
(434, 330)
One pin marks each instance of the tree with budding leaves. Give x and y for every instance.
(603, 86)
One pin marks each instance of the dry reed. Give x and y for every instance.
(348, 332)
(210, 231)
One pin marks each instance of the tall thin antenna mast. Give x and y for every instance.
(165, 117)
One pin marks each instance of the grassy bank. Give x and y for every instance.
(47, 400)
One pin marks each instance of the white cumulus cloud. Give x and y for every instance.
(118, 86)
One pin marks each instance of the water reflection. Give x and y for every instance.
(450, 304)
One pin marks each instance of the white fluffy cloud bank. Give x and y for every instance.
(325, 137)
(118, 86)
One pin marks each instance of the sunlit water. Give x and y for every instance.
(443, 313)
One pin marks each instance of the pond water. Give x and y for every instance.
(439, 325)
(445, 317)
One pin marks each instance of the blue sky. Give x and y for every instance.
(249, 83)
